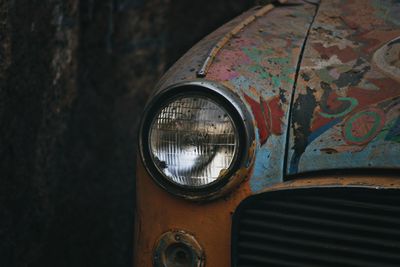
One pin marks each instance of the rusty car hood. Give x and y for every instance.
(255, 56)
(321, 81)
(346, 108)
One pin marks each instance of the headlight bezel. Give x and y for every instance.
(241, 120)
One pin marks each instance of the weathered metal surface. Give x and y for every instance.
(159, 212)
(185, 68)
(363, 181)
(346, 111)
(260, 66)
(178, 248)
(227, 37)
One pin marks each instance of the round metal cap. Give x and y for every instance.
(178, 249)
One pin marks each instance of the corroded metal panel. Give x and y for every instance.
(259, 65)
(186, 67)
(346, 109)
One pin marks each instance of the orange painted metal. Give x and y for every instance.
(210, 222)
(158, 212)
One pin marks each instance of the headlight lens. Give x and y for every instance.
(193, 141)
(197, 140)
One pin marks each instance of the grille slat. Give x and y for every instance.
(348, 224)
(304, 254)
(354, 213)
(299, 240)
(322, 233)
(254, 259)
(390, 204)
(318, 227)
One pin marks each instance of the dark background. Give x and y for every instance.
(74, 77)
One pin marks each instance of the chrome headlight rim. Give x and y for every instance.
(242, 122)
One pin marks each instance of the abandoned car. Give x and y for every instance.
(275, 141)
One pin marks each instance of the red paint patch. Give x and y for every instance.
(258, 115)
(333, 102)
(362, 126)
(319, 121)
(268, 116)
(345, 55)
(374, 39)
(388, 89)
(273, 114)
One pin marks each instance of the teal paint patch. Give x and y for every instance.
(257, 55)
(268, 164)
(276, 81)
(281, 61)
(260, 71)
(260, 172)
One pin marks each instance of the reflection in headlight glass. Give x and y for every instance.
(193, 141)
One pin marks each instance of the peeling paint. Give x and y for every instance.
(262, 68)
(347, 88)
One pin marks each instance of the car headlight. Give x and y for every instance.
(193, 138)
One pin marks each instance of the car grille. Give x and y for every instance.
(318, 227)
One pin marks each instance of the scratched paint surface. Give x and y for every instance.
(346, 109)
(259, 64)
(185, 68)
